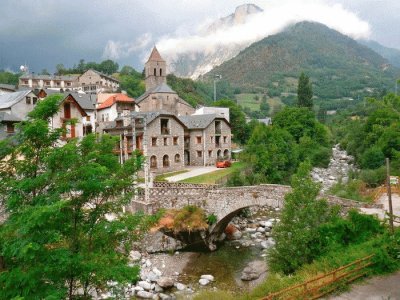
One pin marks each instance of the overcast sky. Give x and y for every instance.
(43, 33)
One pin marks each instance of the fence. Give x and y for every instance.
(326, 283)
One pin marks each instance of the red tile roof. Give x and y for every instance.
(155, 55)
(115, 98)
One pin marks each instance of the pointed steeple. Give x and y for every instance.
(155, 55)
(155, 70)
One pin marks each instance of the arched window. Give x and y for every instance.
(226, 154)
(177, 158)
(153, 162)
(165, 161)
(219, 153)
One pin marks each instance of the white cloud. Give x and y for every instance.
(117, 50)
(276, 16)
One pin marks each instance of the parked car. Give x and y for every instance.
(223, 164)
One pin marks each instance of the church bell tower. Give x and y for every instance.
(155, 70)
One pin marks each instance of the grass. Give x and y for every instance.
(162, 177)
(213, 177)
(247, 100)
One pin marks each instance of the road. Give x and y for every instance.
(194, 171)
(377, 288)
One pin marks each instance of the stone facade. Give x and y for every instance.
(155, 70)
(93, 81)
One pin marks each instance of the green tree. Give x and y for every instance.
(108, 67)
(65, 233)
(9, 78)
(304, 92)
(240, 129)
(297, 236)
(271, 152)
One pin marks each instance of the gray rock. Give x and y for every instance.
(145, 285)
(180, 286)
(260, 229)
(203, 281)
(253, 270)
(208, 277)
(157, 271)
(165, 282)
(145, 295)
(138, 288)
(158, 288)
(165, 296)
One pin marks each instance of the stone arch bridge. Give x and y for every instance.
(223, 202)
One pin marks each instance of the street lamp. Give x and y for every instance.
(216, 77)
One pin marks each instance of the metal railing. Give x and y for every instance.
(326, 283)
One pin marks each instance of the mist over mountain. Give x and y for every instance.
(391, 54)
(338, 65)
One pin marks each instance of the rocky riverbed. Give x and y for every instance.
(338, 170)
(239, 263)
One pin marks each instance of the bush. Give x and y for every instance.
(373, 178)
(350, 190)
(322, 157)
(372, 158)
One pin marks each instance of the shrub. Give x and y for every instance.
(211, 219)
(373, 178)
(372, 158)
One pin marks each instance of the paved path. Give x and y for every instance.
(381, 213)
(193, 172)
(377, 288)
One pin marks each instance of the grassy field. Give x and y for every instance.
(248, 100)
(213, 177)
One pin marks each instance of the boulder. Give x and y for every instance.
(208, 277)
(144, 295)
(165, 296)
(203, 281)
(180, 286)
(253, 270)
(135, 255)
(232, 233)
(145, 285)
(165, 282)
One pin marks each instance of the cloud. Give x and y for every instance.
(277, 15)
(117, 50)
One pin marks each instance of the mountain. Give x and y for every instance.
(196, 64)
(338, 65)
(391, 54)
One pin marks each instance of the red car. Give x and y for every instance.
(223, 164)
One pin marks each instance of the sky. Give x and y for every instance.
(43, 33)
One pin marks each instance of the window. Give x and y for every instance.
(165, 141)
(198, 139)
(225, 139)
(87, 118)
(175, 140)
(164, 126)
(58, 83)
(26, 82)
(177, 158)
(199, 153)
(47, 82)
(212, 139)
(102, 117)
(68, 83)
(217, 127)
(160, 72)
(28, 100)
(155, 72)
(34, 100)
(154, 141)
(165, 161)
(153, 162)
(217, 141)
(10, 128)
(209, 153)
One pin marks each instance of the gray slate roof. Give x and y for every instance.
(197, 121)
(161, 88)
(4, 116)
(86, 101)
(8, 87)
(8, 100)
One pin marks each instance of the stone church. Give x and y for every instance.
(167, 129)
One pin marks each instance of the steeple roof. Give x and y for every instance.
(155, 55)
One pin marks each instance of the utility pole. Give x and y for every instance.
(389, 193)
(216, 76)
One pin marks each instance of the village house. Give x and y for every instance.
(91, 81)
(76, 113)
(168, 130)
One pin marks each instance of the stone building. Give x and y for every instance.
(168, 129)
(158, 95)
(93, 81)
(33, 81)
